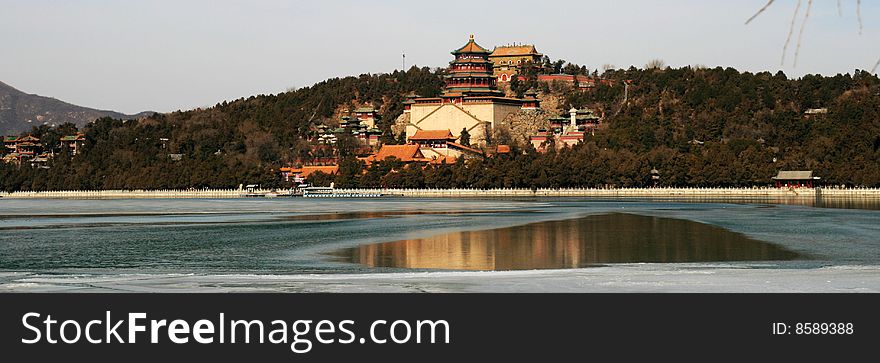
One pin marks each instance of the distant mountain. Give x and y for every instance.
(20, 111)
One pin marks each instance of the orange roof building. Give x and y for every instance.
(432, 138)
(422, 135)
(299, 175)
(326, 169)
(405, 153)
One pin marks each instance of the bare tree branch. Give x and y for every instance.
(767, 5)
(790, 31)
(859, 14)
(797, 50)
(806, 18)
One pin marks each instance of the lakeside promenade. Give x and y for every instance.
(696, 193)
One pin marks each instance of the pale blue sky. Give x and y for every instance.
(166, 55)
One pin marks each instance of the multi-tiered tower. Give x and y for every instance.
(470, 74)
(469, 101)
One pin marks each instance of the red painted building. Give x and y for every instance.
(796, 179)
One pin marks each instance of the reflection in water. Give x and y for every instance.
(607, 238)
(383, 214)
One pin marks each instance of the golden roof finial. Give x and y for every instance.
(472, 37)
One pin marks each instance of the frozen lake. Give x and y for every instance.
(403, 244)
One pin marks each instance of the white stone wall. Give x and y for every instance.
(473, 117)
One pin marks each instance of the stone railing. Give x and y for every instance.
(473, 193)
(623, 192)
(129, 194)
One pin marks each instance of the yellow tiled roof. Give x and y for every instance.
(514, 50)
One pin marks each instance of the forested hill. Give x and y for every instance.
(745, 122)
(243, 141)
(699, 127)
(20, 111)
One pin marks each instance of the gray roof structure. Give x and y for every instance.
(795, 175)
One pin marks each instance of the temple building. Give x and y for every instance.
(541, 140)
(440, 145)
(568, 131)
(470, 100)
(431, 139)
(410, 100)
(507, 60)
(367, 116)
(583, 119)
(73, 143)
(25, 148)
(795, 179)
(405, 153)
(361, 126)
(531, 101)
(9, 143)
(28, 145)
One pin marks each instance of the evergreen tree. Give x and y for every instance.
(401, 138)
(465, 137)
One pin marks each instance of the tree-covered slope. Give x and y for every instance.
(698, 127)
